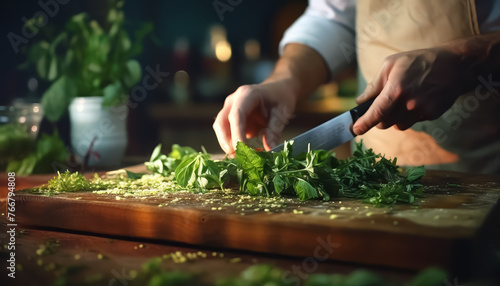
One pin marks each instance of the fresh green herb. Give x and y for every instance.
(318, 174)
(164, 165)
(68, 182)
(198, 171)
(133, 175)
(192, 169)
(118, 183)
(315, 174)
(310, 175)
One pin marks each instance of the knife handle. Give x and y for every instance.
(361, 109)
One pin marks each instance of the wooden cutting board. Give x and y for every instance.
(451, 228)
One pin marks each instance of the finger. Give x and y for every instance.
(411, 118)
(385, 124)
(379, 111)
(376, 86)
(401, 113)
(222, 128)
(407, 123)
(272, 135)
(244, 104)
(255, 124)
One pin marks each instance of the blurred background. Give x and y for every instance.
(208, 49)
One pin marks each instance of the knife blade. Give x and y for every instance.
(330, 134)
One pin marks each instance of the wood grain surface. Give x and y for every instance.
(451, 227)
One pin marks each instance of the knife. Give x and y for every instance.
(330, 134)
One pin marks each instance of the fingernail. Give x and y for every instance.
(357, 130)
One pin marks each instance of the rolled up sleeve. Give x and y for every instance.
(327, 27)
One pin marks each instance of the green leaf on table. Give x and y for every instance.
(185, 173)
(156, 153)
(163, 164)
(304, 190)
(198, 171)
(133, 175)
(278, 184)
(415, 173)
(179, 152)
(250, 162)
(315, 174)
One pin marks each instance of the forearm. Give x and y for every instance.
(301, 68)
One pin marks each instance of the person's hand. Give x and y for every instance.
(253, 111)
(264, 109)
(410, 87)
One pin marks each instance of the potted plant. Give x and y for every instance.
(91, 69)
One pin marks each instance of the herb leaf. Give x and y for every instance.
(311, 175)
(304, 190)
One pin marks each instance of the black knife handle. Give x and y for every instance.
(361, 109)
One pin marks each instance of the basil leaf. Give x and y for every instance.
(133, 175)
(185, 173)
(250, 162)
(304, 190)
(415, 173)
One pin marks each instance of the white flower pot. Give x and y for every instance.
(105, 126)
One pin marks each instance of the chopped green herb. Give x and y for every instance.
(120, 185)
(310, 175)
(164, 165)
(315, 174)
(68, 182)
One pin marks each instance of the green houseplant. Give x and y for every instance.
(89, 63)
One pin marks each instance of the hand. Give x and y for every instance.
(253, 110)
(264, 109)
(411, 87)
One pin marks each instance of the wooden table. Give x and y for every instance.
(125, 252)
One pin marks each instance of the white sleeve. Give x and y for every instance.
(327, 26)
